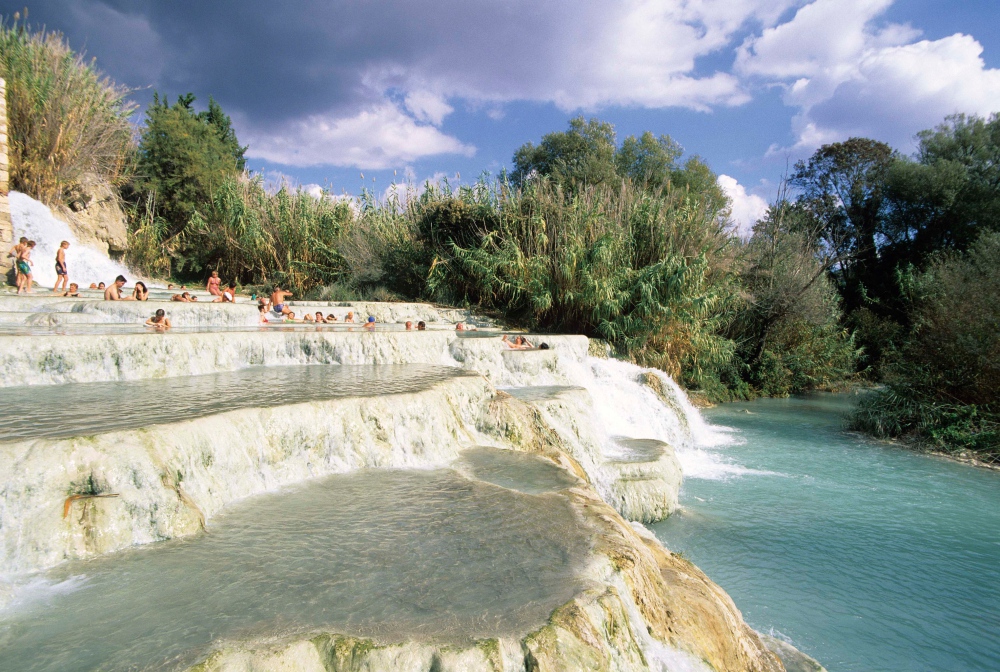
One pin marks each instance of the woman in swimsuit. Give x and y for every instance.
(140, 293)
(212, 287)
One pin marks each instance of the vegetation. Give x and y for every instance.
(65, 119)
(869, 263)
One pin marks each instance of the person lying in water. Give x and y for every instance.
(307, 318)
(183, 298)
(228, 296)
(159, 320)
(331, 318)
(519, 343)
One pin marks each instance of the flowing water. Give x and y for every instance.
(396, 555)
(866, 556)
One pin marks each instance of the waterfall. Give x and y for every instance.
(36, 222)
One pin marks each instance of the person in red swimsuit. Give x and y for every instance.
(212, 287)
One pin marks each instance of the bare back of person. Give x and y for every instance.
(278, 297)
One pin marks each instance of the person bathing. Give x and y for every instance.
(278, 297)
(212, 286)
(114, 292)
(159, 320)
(140, 293)
(24, 264)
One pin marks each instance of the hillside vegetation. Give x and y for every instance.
(869, 266)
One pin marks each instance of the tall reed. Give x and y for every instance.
(65, 118)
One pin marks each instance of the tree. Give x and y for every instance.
(583, 155)
(183, 155)
(843, 187)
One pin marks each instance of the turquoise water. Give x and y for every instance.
(865, 556)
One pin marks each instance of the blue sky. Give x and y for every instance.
(407, 89)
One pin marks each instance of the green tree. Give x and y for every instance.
(583, 155)
(183, 155)
(843, 186)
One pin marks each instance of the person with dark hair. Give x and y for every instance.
(421, 326)
(24, 264)
(159, 320)
(140, 293)
(15, 252)
(278, 297)
(114, 292)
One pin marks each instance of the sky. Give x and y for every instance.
(361, 94)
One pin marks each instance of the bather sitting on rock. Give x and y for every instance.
(350, 317)
(73, 291)
(421, 326)
(159, 320)
(228, 296)
(519, 343)
(319, 318)
(114, 292)
(409, 325)
(278, 297)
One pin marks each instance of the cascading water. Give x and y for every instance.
(35, 221)
(121, 437)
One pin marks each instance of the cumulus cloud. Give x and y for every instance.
(746, 208)
(848, 75)
(300, 76)
(380, 137)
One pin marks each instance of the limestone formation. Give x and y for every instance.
(6, 228)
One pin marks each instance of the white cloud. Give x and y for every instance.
(849, 76)
(378, 137)
(428, 107)
(746, 208)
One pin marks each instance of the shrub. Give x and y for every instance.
(65, 119)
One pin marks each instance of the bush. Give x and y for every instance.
(65, 119)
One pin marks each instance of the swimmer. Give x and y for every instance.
(140, 293)
(350, 317)
(114, 292)
(262, 317)
(74, 290)
(93, 285)
(409, 325)
(459, 327)
(170, 285)
(159, 320)
(290, 317)
(331, 318)
(319, 318)
(421, 326)
(183, 298)
(100, 285)
(212, 286)
(62, 275)
(278, 297)
(370, 324)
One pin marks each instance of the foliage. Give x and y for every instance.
(943, 386)
(287, 238)
(646, 271)
(787, 330)
(183, 157)
(65, 119)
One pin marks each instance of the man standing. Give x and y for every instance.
(62, 274)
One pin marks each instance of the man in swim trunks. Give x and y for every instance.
(62, 274)
(24, 264)
(278, 297)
